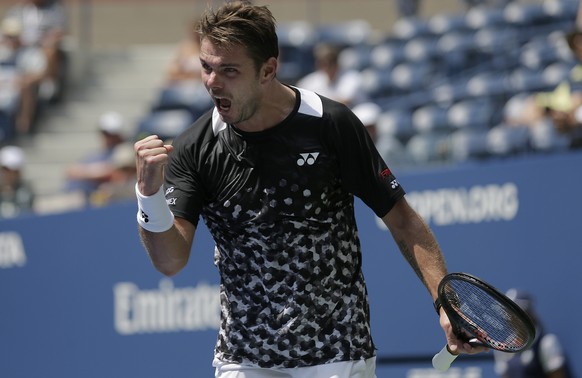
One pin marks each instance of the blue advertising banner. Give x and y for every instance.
(80, 297)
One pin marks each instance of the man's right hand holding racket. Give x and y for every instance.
(458, 344)
(421, 250)
(476, 316)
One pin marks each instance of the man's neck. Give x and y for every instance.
(276, 105)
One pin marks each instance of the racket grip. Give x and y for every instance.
(443, 359)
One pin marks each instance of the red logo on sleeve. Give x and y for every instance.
(385, 173)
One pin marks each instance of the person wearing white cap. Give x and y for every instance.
(96, 168)
(544, 359)
(16, 195)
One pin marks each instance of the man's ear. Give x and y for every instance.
(269, 71)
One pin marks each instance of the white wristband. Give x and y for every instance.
(153, 213)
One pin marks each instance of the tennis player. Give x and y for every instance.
(273, 170)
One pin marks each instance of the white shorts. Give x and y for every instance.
(346, 369)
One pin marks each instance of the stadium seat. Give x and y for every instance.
(492, 39)
(445, 23)
(455, 41)
(459, 54)
(480, 17)
(396, 123)
(296, 42)
(449, 91)
(421, 49)
(387, 54)
(545, 138)
(166, 124)
(488, 84)
(429, 148)
(356, 57)
(392, 151)
(505, 140)
(377, 82)
(468, 144)
(561, 9)
(558, 72)
(411, 76)
(431, 118)
(473, 114)
(519, 14)
(544, 50)
(406, 28)
(189, 96)
(348, 33)
(296, 34)
(528, 80)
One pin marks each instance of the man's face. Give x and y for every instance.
(232, 80)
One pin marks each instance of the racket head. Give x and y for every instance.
(478, 310)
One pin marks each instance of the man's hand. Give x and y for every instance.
(455, 344)
(151, 157)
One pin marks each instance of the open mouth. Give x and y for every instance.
(222, 104)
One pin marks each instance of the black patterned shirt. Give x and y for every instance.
(280, 206)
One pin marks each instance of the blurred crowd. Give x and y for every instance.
(499, 78)
(32, 63)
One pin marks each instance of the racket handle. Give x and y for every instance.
(443, 359)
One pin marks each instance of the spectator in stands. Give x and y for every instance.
(44, 25)
(544, 359)
(185, 65)
(16, 195)
(183, 91)
(562, 107)
(330, 80)
(97, 168)
(121, 184)
(25, 67)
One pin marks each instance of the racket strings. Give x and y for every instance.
(486, 318)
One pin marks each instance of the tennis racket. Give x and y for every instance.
(481, 315)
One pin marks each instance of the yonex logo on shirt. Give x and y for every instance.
(307, 158)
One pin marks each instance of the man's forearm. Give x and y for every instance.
(418, 245)
(169, 251)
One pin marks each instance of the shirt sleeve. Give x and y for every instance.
(363, 171)
(184, 190)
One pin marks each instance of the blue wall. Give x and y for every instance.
(80, 298)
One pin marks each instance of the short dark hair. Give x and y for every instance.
(244, 24)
